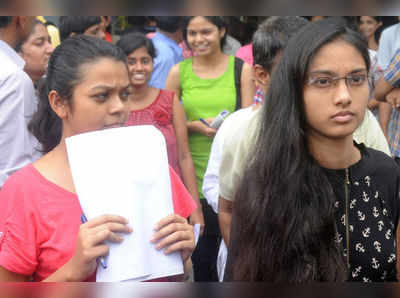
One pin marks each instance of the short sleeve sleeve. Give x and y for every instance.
(183, 202)
(238, 142)
(18, 249)
(392, 73)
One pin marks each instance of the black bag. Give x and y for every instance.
(238, 74)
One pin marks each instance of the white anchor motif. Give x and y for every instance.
(384, 211)
(366, 279)
(377, 246)
(392, 258)
(353, 203)
(375, 212)
(366, 232)
(337, 204)
(361, 216)
(365, 197)
(342, 220)
(338, 238)
(380, 225)
(359, 247)
(356, 271)
(351, 228)
(376, 195)
(367, 180)
(375, 263)
(388, 234)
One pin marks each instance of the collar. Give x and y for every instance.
(12, 54)
(170, 42)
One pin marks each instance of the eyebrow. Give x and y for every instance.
(330, 73)
(102, 87)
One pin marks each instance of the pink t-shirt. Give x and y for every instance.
(39, 222)
(160, 114)
(246, 54)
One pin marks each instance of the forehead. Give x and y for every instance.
(367, 18)
(39, 29)
(103, 71)
(337, 56)
(142, 51)
(200, 21)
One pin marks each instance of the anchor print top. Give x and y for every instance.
(372, 192)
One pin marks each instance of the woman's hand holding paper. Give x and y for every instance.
(174, 233)
(90, 244)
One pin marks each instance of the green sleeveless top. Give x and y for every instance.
(205, 98)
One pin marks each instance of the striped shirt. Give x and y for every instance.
(392, 76)
(392, 72)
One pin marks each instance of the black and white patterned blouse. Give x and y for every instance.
(372, 188)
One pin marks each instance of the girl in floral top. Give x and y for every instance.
(161, 108)
(312, 204)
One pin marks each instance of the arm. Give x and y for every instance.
(248, 88)
(6, 276)
(382, 88)
(89, 247)
(393, 97)
(385, 111)
(186, 162)
(15, 151)
(373, 104)
(225, 208)
(173, 82)
(199, 127)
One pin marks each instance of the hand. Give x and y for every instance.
(90, 244)
(393, 97)
(173, 233)
(207, 130)
(197, 218)
(373, 104)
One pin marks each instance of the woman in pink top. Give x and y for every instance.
(160, 108)
(41, 235)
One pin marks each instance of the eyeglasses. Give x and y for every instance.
(326, 81)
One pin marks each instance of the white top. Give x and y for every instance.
(211, 177)
(388, 44)
(17, 105)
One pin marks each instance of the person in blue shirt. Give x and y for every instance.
(166, 41)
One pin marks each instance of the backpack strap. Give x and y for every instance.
(238, 74)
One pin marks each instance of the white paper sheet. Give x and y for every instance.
(124, 171)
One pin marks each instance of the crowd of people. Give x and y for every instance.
(299, 183)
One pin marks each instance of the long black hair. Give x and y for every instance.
(283, 223)
(63, 74)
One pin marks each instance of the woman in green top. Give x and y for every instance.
(206, 85)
